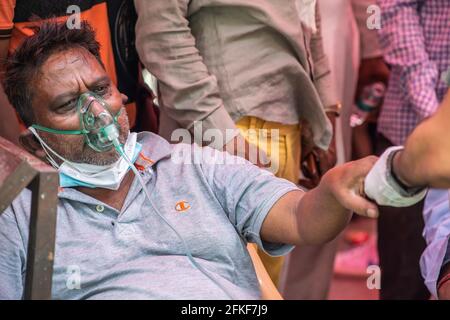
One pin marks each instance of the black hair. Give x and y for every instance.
(21, 68)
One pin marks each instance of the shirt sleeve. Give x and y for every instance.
(437, 234)
(246, 193)
(6, 18)
(403, 44)
(166, 47)
(12, 257)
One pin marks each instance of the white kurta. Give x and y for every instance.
(341, 43)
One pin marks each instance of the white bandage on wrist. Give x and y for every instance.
(381, 186)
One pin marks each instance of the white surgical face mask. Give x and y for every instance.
(73, 174)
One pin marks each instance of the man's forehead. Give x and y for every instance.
(69, 61)
(65, 75)
(66, 72)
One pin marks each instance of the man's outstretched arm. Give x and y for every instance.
(319, 215)
(273, 212)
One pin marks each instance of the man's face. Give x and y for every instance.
(61, 80)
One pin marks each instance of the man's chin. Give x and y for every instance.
(102, 159)
(87, 155)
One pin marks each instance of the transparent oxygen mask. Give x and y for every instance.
(99, 126)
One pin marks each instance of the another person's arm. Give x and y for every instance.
(400, 175)
(167, 48)
(425, 161)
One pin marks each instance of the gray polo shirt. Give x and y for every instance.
(102, 253)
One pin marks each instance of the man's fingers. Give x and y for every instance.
(356, 196)
(346, 183)
(361, 206)
(360, 169)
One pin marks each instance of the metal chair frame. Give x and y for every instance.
(20, 170)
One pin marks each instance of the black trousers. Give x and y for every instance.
(400, 245)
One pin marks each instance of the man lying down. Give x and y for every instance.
(117, 236)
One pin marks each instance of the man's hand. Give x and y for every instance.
(315, 161)
(345, 184)
(319, 215)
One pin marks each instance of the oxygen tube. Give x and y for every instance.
(101, 131)
(187, 251)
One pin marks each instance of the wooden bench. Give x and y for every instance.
(20, 170)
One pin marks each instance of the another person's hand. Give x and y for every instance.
(316, 162)
(326, 159)
(372, 70)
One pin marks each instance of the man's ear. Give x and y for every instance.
(31, 144)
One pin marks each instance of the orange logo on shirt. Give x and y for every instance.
(182, 206)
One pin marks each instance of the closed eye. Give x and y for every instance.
(101, 90)
(68, 106)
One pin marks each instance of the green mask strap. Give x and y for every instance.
(50, 130)
(117, 115)
(74, 132)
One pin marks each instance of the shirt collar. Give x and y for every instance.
(154, 149)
